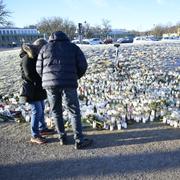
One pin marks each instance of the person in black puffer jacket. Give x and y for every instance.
(32, 90)
(60, 64)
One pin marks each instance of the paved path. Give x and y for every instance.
(144, 151)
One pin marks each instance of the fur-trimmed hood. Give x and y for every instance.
(32, 50)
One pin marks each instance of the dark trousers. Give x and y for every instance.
(55, 99)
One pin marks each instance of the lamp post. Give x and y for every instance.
(85, 29)
(80, 32)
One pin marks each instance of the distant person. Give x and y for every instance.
(32, 91)
(60, 64)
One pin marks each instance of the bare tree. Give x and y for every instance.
(69, 28)
(106, 27)
(49, 25)
(96, 31)
(159, 30)
(4, 15)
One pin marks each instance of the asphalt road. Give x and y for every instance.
(143, 151)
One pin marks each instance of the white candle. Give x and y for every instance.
(111, 127)
(94, 125)
(119, 126)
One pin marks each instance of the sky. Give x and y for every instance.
(138, 15)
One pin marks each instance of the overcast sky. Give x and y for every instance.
(123, 14)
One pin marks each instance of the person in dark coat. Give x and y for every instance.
(32, 90)
(60, 64)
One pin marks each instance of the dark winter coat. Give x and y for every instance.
(31, 81)
(60, 62)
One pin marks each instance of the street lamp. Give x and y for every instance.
(80, 32)
(85, 29)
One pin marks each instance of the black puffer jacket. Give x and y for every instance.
(31, 81)
(60, 62)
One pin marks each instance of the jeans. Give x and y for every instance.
(37, 117)
(55, 99)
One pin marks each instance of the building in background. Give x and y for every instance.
(173, 35)
(119, 33)
(11, 37)
(178, 31)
